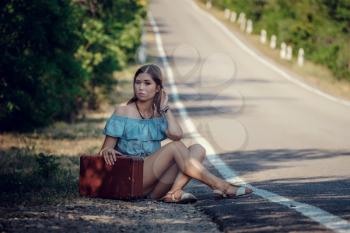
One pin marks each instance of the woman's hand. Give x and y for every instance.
(164, 100)
(110, 155)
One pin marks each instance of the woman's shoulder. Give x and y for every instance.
(130, 111)
(120, 110)
(124, 110)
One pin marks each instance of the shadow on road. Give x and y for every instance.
(255, 214)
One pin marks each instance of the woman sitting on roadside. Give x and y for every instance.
(137, 129)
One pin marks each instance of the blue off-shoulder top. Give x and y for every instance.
(136, 137)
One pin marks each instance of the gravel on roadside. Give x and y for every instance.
(102, 215)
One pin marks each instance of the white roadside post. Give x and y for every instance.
(301, 57)
(249, 26)
(263, 36)
(142, 53)
(233, 16)
(240, 17)
(243, 23)
(227, 13)
(273, 41)
(208, 5)
(289, 54)
(283, 50)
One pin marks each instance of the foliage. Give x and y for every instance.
(47, 165)
(321, 27)
(111, 31)
(30, 178)
(39, 77)
(59, 54)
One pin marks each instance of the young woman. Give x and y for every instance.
(137, 129)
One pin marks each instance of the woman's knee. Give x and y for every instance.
(178, 146)
(199, 151)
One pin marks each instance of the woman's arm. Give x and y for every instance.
(109, 143)
(107, 149)
(174, 131)
(108, 152)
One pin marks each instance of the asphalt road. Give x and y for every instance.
(273, 133)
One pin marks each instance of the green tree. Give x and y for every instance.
(40, 80)
(321, 27)
(111, 31)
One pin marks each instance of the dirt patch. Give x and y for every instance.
(102, 215)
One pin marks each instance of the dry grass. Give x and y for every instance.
(43, 165)
(83, 136)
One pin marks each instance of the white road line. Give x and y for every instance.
(323, 217)
(265, 62)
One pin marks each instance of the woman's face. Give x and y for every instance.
(145, 87)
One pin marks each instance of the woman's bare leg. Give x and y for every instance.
(173, 178)
(177, 153)
(197, 152)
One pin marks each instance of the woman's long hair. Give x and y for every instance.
(156, 74)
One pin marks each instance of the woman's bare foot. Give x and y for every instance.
(226, 189)
(234, 190)
(179, 196)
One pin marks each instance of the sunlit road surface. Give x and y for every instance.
(276, 135)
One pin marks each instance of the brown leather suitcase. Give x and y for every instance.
(123, 180)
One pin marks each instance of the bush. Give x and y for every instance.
(59, 54)
(40, 80)
(37, 178)
(111, 32)
(321, 27)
